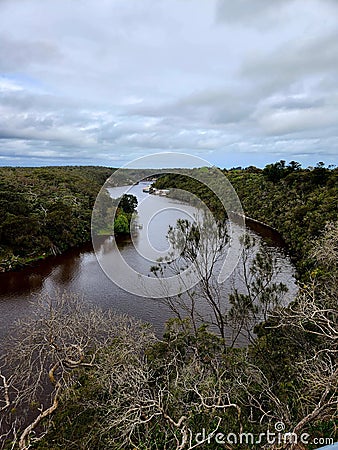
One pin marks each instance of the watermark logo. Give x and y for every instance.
(275, 437)
(279, 426)
(133, 179)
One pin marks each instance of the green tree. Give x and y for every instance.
(275, 172)
(121, 224)
(128, 203)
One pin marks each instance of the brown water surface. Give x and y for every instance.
(78, 271)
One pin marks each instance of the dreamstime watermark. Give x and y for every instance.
(276, 437)
(126, 181)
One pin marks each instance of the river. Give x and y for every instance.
(79, 271)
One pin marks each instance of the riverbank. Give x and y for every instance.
(268, 232)
(45, 211)
(14, 263)
(17, 263)
(77, 270)
(298, 202)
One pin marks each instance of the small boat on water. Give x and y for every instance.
(161, 192)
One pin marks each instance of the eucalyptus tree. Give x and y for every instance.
(232, 313)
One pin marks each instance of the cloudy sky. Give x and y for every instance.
(237, 82)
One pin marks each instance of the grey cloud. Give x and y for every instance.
(24, 100)
(264, 13)
(19, 54)
(207, 108)
(34, 128)
(221, 106)
(315, 56)
(248, 10)
(297, 103)
(111, 80)
(296, 121)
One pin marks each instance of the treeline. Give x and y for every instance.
(46, 210)
(297, 201)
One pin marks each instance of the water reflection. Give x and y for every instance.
(78, 271)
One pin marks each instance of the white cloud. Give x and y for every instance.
(7, 85)
(94, 81)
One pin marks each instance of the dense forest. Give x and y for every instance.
(44, 211)
(297, 202)
(113, 384)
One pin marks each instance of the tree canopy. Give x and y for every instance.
(45, 210)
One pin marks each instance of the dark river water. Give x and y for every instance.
(78, 270)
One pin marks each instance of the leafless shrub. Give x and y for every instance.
(45, 354)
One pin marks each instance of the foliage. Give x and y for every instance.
(124, 389)
(114, 385)
(121, 224)
(203, 244)
(45, 210)
(298, 205)
(297, 202)
(113, 215)
(52, 352)
(128, 203)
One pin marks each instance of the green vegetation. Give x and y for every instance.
(114, 385)
(47, 210)
(121, 224)
(297, 202)
(127, 205)
(113, 216)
